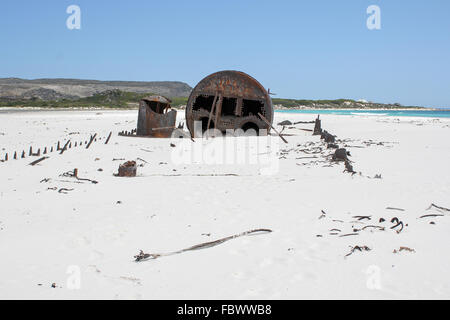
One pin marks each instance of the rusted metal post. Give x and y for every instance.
(37, 161)
(92, 139)
(218, 110)
(212, 111)
(65, 147)
(317, 127)
(268, 123)
(109, 137)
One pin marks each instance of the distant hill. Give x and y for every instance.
(70, 89)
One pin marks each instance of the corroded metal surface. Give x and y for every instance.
(127, 169)
(229, 100)
(155, 119)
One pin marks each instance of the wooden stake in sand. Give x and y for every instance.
(269, 124)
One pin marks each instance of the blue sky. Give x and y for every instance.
(299, 49)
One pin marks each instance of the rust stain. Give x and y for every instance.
(156, 118)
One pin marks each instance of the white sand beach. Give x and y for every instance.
(81, 237)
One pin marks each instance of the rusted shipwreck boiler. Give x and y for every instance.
(229, 100)
(156, 118)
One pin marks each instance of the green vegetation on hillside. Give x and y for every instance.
(106, 99)
(293, 103)
(123, 99)
(336, 104)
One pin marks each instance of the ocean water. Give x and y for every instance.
(393, 113)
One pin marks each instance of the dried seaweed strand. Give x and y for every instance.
(147, 256)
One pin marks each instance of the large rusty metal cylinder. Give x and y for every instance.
(229, 100)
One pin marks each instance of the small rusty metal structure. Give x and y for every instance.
(127, 169)
(229, 100)
(156, 118)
